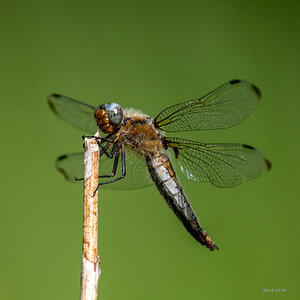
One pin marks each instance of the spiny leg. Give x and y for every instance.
(104, 149)
(115, 166)
(109, 155)
(102, 139)
(123, 168)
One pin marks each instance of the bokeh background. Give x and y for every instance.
(147, 55)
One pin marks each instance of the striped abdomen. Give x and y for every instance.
(164, 177)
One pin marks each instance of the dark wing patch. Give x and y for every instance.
(224, 107)
(235, 81)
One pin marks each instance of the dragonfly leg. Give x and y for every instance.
(105, 148)
(123, 169)
(110, 155)
(115, 166)
(101, 139)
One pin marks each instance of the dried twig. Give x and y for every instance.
(90, 270)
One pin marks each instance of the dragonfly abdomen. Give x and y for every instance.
(164, 177)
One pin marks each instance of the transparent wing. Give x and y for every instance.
(224, 107)
(224, 165)
(78, 114)
(137, 174)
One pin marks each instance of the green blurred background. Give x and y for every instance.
(147, 55)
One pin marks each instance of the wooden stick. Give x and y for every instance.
(90, 269)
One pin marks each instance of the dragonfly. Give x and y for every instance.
(147, 154)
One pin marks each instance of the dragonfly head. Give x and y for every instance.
(109, 117)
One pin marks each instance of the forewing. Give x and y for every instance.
(224, 107)
(78, 114)
(224, 165)
(137, 175)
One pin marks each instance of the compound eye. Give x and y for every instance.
(115, 113)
